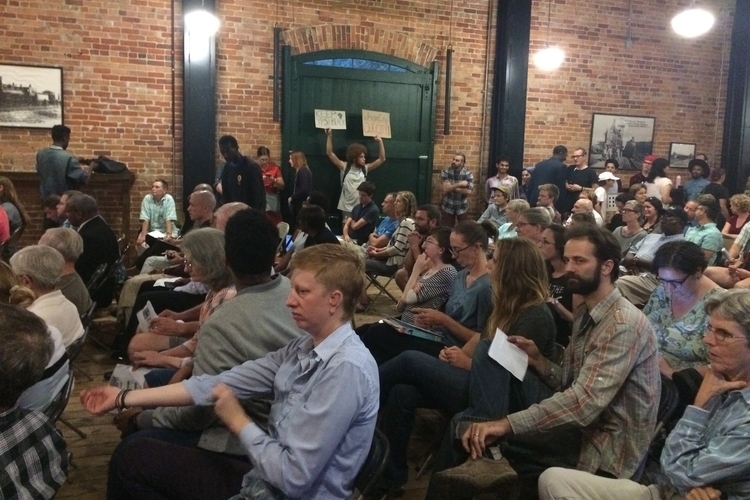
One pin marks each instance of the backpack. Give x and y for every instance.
(104, 165)
(348, 169)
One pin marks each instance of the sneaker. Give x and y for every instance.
(474, 476)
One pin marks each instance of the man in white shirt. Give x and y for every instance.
(585, 205)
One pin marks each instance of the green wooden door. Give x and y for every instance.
(352, 81)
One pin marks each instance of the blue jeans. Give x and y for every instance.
(494, 393)
(409, 381)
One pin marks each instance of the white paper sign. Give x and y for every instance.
(145, 316)
(376, 123)
(157, 234)
(328, 118)
(510, 356)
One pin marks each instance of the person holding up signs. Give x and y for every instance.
(353, 171)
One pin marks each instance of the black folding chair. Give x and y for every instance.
(372, 469)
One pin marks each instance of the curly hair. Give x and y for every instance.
(353, 152)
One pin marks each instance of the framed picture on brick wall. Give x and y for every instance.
(627, 139)
(680, 153)
(30, 96)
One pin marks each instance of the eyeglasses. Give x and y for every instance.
(456, 251)
(674, 283)
(722, 335)
(522, 224)
(432, 242)
(624, 210)
(577, 156)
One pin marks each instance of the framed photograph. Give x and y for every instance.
(627, 139)
(30, 96)
(680, 153)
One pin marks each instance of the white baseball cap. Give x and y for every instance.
(608, 176)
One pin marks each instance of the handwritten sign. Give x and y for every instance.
(328, 118)
(376, 123)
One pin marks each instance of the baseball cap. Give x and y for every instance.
(676, 212)
(608, 176)
(649, 159)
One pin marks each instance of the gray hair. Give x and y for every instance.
(42, 264)
(226, 211)
(83, 204)
(732, 305)
(518, 205)
(635, 206)
(537, 216)
(65, 240)
(205, 248)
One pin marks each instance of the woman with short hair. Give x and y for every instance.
(631, 232)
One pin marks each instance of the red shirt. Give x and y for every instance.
(270, 173)
(4, 226)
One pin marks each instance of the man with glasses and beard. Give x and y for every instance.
(596, 412)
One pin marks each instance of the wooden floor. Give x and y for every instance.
(87, 480)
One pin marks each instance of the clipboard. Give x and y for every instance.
(413, 330)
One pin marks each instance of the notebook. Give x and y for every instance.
(413, 330)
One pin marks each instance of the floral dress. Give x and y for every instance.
(680, 340)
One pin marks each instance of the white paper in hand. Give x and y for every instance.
(510, 356)
(157, 234)
(145, 316)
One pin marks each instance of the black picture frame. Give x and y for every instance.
(628, 139)
(680, 154)
(31, 96)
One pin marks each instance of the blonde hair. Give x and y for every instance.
(336, 267)
(11, 291)
(298, 159)
(518, 205)
(741, 201)
(519, 281)
(410, 204)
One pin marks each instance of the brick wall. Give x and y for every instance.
(680, 82)
(118, 65)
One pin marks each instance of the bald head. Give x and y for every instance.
(583, 205)
(224, 212)
(203, 187)
(201, 206)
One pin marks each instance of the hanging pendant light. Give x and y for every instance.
(550, 57)
(693, 22)
(200, 22)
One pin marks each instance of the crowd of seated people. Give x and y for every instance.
(261, 386)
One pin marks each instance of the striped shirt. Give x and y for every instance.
(398, 245)
(432, 292)
(711, 446)
(610, 387)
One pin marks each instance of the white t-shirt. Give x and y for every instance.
(59, 312)
(349, 184)
(654, 188)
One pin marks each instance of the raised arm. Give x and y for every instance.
(381, 155)
(329, 151)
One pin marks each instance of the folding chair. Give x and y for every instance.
(55, 409)
(373, 280)
(76, 347)
(8, 248)
(374, 465)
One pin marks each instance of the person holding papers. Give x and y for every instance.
(448, 382)
(158, 213)
(595, 413)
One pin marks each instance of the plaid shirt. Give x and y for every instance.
(611, 382)
(33, 457)
(453, 202)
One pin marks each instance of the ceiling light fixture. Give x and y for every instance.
(693, 22)
(549, 58)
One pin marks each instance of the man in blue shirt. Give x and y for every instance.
(551, 171)
(706, 455)
(706, 235)
(59, 170)
(324, 387)
(698, 182)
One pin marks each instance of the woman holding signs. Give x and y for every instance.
(353, 172)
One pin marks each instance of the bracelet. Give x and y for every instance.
(120, 400)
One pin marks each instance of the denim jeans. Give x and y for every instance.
(409, 381)
(495, 393)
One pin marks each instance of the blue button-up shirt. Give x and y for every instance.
(325, 403)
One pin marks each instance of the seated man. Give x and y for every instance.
(585, 205)
(638, 286)
(426, 218)
(705, 456)
(382, 234)
(548, 195)
(324, 387)
(70, 245)
(34, 459)
(706, 235)
(99, 243)
(162, 254)
(595, 413)
(365, 215)
(312, 220)
(39, 268)
(496, 209)
(49, 208)
(157, 213)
